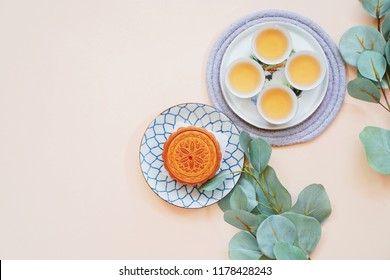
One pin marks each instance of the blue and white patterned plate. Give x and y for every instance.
(157, 133)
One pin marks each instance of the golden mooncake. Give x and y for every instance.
(192, 155)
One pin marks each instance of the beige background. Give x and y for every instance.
(79, 83)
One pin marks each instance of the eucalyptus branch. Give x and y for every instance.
(250, 173)
(384, 107)
(259, 219)
(380, 86)
(384, 94)
(273, 194)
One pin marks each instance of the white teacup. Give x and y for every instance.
(244, 78)
(277, 104)
(272, 45)
(305, 70)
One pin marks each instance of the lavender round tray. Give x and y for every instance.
(325, 113)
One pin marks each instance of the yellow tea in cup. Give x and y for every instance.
(304, 70)
(277, 104)
(245, 78)
(272, 45)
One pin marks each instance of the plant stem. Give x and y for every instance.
(379, 23)
(276, 211)
(381, 87)
(262, 204)
(384, 93)
(387, 109)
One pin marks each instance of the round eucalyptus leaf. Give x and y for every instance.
(364, 89)
(383, 82)
(224, 203)
(244, 220)
(308, 231)
(386, 28)
(249, 189)
(376, 142)
(275, 228)
(243, 246)
(372, 65)
(285, 251)
(264, 210)
(387, 52)
(313, 201)
(376, 8)
(358, 39)
(238, 199)
(260, 153)
(247, 183)
(244, 141)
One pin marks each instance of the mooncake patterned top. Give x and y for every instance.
(191, 155)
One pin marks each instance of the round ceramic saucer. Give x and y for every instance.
(308, 101)
(152, 165)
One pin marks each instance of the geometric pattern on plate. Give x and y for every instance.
(158, 132)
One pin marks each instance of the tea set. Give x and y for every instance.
(272, 46)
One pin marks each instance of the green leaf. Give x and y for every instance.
(260, 153)
(216, 181)
(278, 195)
(376, 142)
(376, 8)
(285, 251)
(264, 210)
(224, 203)
(256, 211)
(372, 65)
(275, 228)
(238, 199)
(244, 220)
(244, 140)
(383, 82)
(247, 183)
(308, 231)
(313, 201)
(386, 28)
(243, 246)
(387, 52)
(358, 39)
(249, 189)
(244, 195)
(364, 89)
